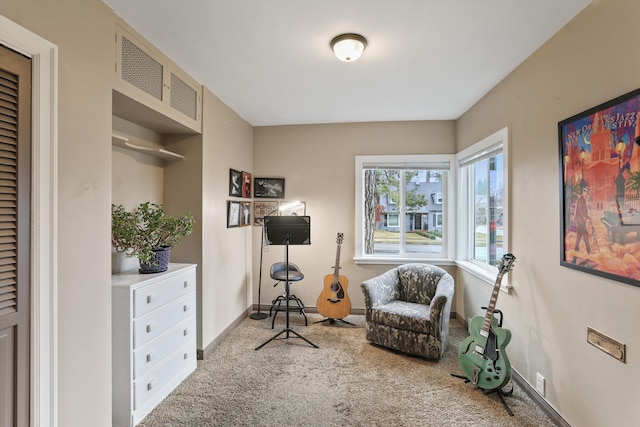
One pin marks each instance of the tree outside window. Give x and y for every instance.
(407, 199)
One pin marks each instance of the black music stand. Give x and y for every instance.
(287, 230)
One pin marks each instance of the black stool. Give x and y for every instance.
(279, 273)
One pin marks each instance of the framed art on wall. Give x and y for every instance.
(600, 189)
(233, 214)
(235, 183)
(293, 208)
(245, 214)
(268, 188)
(246, 185)
(262, 209)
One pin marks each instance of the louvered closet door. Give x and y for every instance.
(15, 160)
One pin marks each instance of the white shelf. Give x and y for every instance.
(123, 141)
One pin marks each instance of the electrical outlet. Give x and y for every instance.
(540, 383)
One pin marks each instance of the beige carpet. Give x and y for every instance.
(345, 382)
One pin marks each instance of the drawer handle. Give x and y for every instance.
(149, 328)
(185, 307)
(185, 332)
(149, 385)
(185, 356)
(186, 283)
(148, 357)
(148, 299)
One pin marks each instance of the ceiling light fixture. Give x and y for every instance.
(348, 47)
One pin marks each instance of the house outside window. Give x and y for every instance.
(401, 208)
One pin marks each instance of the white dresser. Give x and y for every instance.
(154, 338)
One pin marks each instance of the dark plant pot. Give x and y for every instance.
(158, 263)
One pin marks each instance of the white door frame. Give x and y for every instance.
(44, 183)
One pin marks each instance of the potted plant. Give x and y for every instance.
(148, 234)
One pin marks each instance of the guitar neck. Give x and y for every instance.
(336, 267)
(488, 317)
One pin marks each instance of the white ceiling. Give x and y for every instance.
(270, 60)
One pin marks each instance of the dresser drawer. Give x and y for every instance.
(146, 387)
(153, 325)
(152, 354)
(149, 298)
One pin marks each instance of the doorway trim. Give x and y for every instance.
(44, 182)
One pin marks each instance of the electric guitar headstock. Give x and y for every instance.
(506, 263)
(339, 238)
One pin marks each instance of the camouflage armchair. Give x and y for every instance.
(408, 308)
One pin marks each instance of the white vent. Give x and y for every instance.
(141, 70)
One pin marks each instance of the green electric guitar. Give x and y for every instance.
(481, 355)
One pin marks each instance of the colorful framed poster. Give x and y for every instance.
(600, 189)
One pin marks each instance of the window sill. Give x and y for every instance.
(398, 261)
(482, 274)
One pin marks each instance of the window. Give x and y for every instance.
(403, 208)
(392, 220)
(437, 220)
(482, 227)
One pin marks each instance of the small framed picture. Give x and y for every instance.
(233, 214)
(235, 183)
(268, 188)
(246, 185)
(245, 214)
(262, 209)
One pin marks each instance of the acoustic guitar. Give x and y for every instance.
(333, 302)
(482, 355)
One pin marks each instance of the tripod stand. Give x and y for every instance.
(284, 230)
(333, 321)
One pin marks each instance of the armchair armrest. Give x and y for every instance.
(380, 290)
(440, 309)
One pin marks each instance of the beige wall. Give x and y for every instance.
(84, 191)
(591, 60)
(318, 164)
(226, 252)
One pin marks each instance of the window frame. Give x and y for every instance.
(449, 197)
(464, 257)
